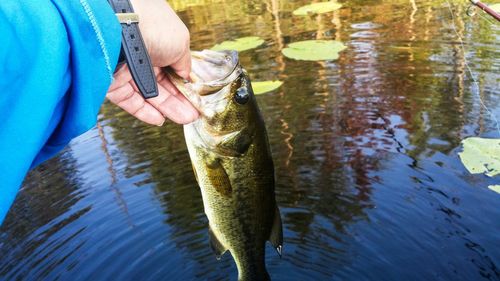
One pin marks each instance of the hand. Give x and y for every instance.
(167, 40)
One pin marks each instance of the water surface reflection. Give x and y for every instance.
(368, 179)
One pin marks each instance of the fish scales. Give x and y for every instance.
(231, 158)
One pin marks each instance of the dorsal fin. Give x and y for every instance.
(215, 244)
(276, 236)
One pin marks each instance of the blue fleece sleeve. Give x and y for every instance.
(56, 63)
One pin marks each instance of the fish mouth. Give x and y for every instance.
(212, 73)
(212, 70)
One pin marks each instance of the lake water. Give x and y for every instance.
(369, 182)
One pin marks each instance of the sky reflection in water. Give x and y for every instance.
(368, 179)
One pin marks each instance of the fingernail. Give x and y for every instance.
(161, 123)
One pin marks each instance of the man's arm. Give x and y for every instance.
(56, 63)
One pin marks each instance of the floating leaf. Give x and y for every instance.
(240, 44)
(262, 87)
(481, 156)
(495, 188)
(496, 7)
(314, 50)
(317, 8)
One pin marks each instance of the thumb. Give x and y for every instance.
(183, 66)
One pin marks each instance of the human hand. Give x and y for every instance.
(167, 41)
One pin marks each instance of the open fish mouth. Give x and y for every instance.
(214, 69)
(212, 73)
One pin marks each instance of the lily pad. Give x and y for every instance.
(317, 8)
(481, 156)
(314, 50)
(262, 87)
(240, 44)
(495, 188)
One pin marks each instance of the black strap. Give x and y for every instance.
(135, 52)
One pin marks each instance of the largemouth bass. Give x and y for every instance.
(231, 158)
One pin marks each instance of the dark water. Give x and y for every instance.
(368, 178)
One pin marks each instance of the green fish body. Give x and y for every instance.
(232, 162)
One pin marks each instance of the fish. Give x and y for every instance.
(232, 162)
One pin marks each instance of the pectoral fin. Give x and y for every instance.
(218, 177)
(215, 244)
(276, 236)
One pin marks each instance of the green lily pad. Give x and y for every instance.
(262, 87)
(495, 188)
(314, 50)
(481, 156)
(496, 7)
(317, 8)
(240, 44)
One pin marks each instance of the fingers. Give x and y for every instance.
(173, 105)
(183, 66)
(127, 98)
(169, 103)
(121, 77)
(163, 81)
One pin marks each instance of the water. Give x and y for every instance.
(368, 178)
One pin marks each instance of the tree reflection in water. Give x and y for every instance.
(364, 149)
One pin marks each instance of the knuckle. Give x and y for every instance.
(137, 105)
(120, 95)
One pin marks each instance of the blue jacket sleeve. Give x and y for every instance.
(56, 63)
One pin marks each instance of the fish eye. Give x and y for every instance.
(241, 96)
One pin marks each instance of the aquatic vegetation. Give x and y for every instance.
(314, 50)
(495, 188)
(481, 155)
(317, 8)
(262, 87)
(240, 44)
(367, 140)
